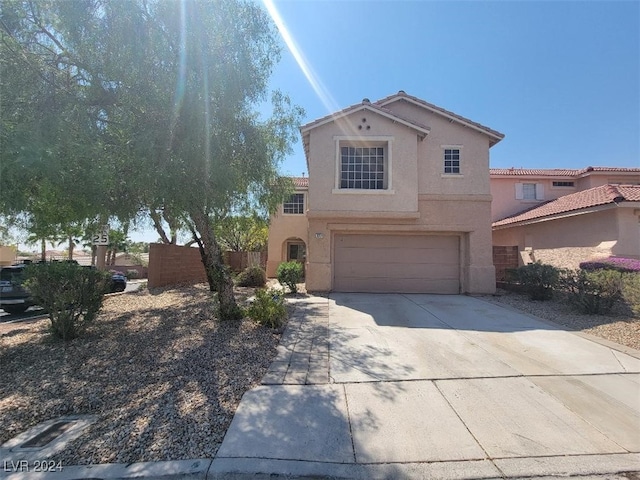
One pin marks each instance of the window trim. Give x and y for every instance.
(444, 174)
(304, 203)
(365, 141)
(553, 184)
(539, 192)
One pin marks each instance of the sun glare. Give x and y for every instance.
(315, 82)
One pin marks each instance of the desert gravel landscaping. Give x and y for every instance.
(162, 374)
(619, 326)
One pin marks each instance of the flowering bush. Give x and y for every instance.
(619, 264)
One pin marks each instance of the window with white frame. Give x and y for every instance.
(529, 191)
(363, 167)
(452, 161)
(294, 204)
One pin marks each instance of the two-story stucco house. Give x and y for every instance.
(397, 200)
(564, 216)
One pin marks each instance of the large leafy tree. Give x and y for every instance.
(152, 106)
(242, 233)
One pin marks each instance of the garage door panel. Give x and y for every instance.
(397, 255)
(396, 270)
(383, 285)
(405, 241)
(397, 263)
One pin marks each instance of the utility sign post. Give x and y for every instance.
(102, 237)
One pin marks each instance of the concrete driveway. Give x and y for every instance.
(427, 386)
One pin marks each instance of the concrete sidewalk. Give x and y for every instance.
(424, 386)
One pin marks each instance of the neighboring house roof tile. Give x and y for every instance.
(300, 182)
(558, 172)
(497, 136)
(602, 195)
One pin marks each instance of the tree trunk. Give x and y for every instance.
(71, 245)
(217, 271)
(196, 239)
(43, 250)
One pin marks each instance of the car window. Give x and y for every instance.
(11, 274)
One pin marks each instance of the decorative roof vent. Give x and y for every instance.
(401, 92)
(366, 100)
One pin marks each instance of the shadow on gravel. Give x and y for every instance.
(164, 381)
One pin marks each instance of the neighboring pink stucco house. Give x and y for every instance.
(397, 200)
(564, 217)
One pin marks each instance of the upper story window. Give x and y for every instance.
(529, 191)
(294, 204)
(563, 184)
(363, 167)
(452, 161)
(363, 164)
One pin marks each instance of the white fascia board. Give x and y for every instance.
(337, 116)
(445, 115)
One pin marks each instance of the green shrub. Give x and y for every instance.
(71, 294)
(268, 308)
(132, 273)
(290, 274)
(631, 291)
(538, 279)
(593, 292)
(252, 277)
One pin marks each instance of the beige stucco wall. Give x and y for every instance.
(474, 155)
(596, 179)
(467, 218)
(421, 198)
(503, 191)
(7, 255)
(568, 241)
(403, 193)
(283, 227)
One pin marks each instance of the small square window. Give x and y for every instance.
(294, 205)
(452, 160)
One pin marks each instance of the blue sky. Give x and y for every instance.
(561, 80)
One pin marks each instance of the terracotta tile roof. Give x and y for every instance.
(558, 172)
(602, 195)
(300, 182)
(430, 106)
(364, 104)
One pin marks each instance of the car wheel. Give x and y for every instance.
(15, 309)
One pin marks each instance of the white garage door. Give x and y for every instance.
(396, 263)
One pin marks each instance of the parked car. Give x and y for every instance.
(118, 282)
(15, 299)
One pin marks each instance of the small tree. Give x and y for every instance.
(70, 293)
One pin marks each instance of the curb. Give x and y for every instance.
(196, 469)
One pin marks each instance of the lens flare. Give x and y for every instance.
(321, 91)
